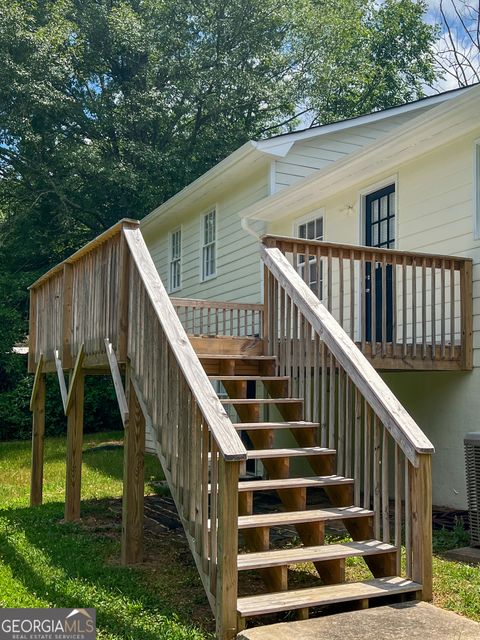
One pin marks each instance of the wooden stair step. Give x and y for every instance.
(254, 426)
(286, 518)
(283, 557)
(262, 401)
(293, 483)
(293, 452)
(232, 356)
(267, 603)
(242, 378)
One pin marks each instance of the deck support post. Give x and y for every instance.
(227, 543)
(133, 480)
(38, 436)
(74, 449)
(420, 483)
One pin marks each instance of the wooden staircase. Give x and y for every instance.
(252, 395)
(315, 412)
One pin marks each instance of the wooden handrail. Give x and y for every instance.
(287, 244)
(215, 304)
(396, 419)
(90, 246)
(220, 425)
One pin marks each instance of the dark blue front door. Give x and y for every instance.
(379, 232)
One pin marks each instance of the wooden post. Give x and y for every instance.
(38, 435)
(32, 331)
(133, 481)
(227, 542)
(123, 299)
(74, 450)
(466, 313)
(420, 483)
(67, 325)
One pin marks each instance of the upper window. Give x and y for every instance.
(313, 276)
(476, 186)
(175, 269)
(209, 245)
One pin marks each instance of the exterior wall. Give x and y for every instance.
(312, 154)
(435, 213)
(238, 264)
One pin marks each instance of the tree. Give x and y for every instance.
(458, 49)
(109, 107)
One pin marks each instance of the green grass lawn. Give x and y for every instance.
(45, 562)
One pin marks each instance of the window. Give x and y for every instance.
(311, 230)
(175, 272)
(476, 186)
(209, 248)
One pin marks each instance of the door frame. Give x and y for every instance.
(362, 201)
(362, 227)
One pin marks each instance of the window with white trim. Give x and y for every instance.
(209, 245)
(311, 230)
(175, 267)
(476, 195)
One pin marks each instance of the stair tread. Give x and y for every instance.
(329, 594)
(248, 378)
(293, 452)
(287, 483)
(300, 424)
(297, 517)
(281, 557)
(233, 356)
(260, 400)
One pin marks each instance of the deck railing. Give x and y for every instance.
(377, 442)
(213, 318)
(111, 291)
(398, 306)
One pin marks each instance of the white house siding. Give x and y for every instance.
(238, 263)
(435, 214)
(309, 155)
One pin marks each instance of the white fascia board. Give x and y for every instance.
(278, 141)
(440, 126)
(208, 180)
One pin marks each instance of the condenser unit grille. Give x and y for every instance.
(472, 464)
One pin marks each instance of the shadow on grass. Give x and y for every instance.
(67, 565)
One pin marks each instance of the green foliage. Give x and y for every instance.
(443, 540)
(109, 107)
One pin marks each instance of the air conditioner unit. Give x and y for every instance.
(472, 464)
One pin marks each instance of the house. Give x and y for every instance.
(326, 281)
(423, 158)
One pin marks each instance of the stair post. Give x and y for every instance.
(227, 542)
(420, 483)
(133, 479)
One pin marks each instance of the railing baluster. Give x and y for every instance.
(377, 476)
(452, 310)
(433, 303)
(373, 302)
(341, 298)
(363, 320)
(442, 309)
(385, 490)
(352, 295)
(384, 305)
(414, 309)
(424, 309)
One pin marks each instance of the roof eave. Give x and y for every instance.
(234, 160)
(382, 155)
